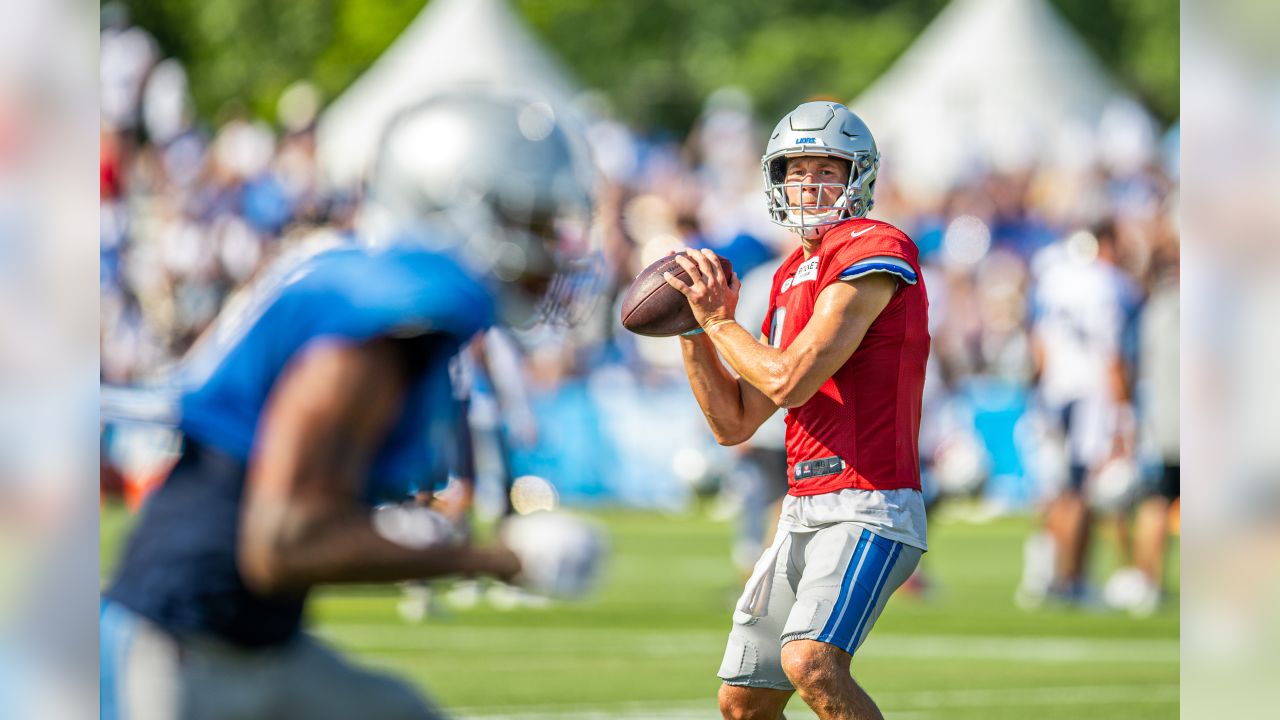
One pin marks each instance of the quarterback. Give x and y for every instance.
(843, 350)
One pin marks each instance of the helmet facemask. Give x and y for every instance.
(853, 199)
(552, 273)
(545, 265)
(820, 129)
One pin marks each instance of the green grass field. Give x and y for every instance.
(648, 643)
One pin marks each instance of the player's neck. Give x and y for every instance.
(813, 244)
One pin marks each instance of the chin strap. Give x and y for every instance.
(814, 232)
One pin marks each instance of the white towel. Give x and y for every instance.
(755, 598)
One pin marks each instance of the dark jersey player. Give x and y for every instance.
(329, 394)
(843, 350)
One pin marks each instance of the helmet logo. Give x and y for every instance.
(806, 141)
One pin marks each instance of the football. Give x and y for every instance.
(654, 308)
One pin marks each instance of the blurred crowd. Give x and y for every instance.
(193, 211)
(189, 214)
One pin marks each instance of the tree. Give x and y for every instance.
(656, 59)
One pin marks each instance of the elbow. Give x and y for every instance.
(728, 439)
(780, 396)
(778, 386)
(784, 393)
(791, 398)
(262, 558)
(261, 568)
(729, 432)
(790, 389)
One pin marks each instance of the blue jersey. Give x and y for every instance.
(179, 569)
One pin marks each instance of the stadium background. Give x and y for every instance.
(215, 159)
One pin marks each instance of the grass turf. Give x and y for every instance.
(648, 643)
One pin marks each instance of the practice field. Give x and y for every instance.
(647, 644)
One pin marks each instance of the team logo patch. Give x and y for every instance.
(807, 271)
(786, 285)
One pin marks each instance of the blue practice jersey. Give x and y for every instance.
(179, 569)
(347, 295)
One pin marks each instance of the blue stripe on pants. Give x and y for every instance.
(115, 625)
(858, 598)
(106, 665)
(850, 573)
(851, 641)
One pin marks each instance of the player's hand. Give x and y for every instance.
(560, 555)
(712, 296)
(502, 563)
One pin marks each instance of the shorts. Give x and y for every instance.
(829, 584)
(148, 674)
(1073, 428)
(1169, 484)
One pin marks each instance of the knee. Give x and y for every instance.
(733, 704)
(740, 703)
(808, 664)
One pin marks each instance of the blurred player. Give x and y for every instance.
(453, 501)
(1139, 589)
(1159, 372)
(489, 384)
(843, 349)
(1082, 313)
(332, 394)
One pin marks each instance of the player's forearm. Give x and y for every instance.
(297, 551)
(768, 369)
(716, 390)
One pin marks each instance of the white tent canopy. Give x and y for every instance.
(475, 43)
(989, 83)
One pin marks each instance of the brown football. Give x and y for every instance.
(654, 308)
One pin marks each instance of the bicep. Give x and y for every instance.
(843, 313)
(325, 419)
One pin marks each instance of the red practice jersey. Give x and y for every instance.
(868, 412)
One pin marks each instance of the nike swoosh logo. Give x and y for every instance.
(863, 231)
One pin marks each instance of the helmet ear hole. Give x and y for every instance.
(778, 170)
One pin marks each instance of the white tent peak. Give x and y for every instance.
(1004, 37)
(451, 43)
(991, 82)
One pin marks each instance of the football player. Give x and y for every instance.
(1083, 311)
(329, 395)
(843, 350)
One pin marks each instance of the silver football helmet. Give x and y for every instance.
(824, 129)
(503, 185)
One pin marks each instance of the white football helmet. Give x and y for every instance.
(502, 184)
(822, 129)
